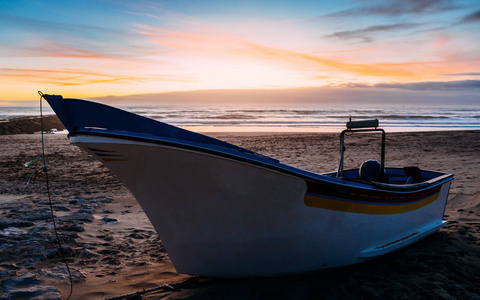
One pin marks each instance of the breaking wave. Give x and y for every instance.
(324, 117)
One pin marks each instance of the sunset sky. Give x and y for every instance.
(122, 47)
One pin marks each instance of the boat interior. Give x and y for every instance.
(374, 172)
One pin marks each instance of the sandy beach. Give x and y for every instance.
(112, 249)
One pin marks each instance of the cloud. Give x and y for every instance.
(456, 85)
(470, 18)
(397, 8)
(42, 27)
(33, 47)
(224, 46)
(364, 34)
(27, 36)
(433, 85)
(72, 77)
(423, 93)
(463, 74)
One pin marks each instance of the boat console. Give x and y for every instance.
(370, 170)
(374, 172)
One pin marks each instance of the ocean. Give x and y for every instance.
(241, 118)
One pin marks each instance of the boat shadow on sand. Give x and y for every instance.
(442, 266)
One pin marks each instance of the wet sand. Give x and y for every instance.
(112, 248)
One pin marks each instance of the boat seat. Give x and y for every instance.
(413, 172)
(371, 170)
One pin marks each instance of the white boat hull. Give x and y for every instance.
(224, 217)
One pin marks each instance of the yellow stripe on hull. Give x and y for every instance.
(369, 209)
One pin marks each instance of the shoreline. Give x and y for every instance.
(31, 124)
(127, 256)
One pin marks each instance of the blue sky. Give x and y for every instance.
(119, 48)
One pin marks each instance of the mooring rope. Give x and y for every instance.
(35, 175)
(166, 286)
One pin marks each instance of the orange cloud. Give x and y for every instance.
(63, 77)
(224, 46)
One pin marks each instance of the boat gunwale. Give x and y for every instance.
(266, 162)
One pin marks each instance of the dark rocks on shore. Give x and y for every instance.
(28, 238)
(29, 125)
(15, 223)
(110, 220)
(27, 286)
(61, 272)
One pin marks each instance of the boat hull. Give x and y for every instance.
(227, 217)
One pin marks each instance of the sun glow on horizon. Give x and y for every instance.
(135, 48)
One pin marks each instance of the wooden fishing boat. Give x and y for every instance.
(222, 210)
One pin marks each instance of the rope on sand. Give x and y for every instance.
(166, 287)
(35, 175)
(44, 169)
